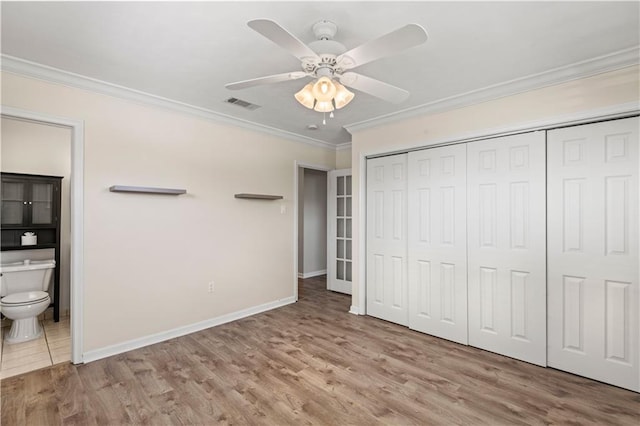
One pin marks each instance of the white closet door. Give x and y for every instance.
(339, 206)
(387, 238)
(437, 242)
(593, 251)
(506, 246)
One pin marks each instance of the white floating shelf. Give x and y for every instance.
(259, 196)
(147, 190)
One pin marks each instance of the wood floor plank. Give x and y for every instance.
(72, 400)
(311, 363)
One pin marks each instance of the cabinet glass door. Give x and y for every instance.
(41, 203)
(13, 203)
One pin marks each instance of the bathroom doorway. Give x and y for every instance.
(39, 144)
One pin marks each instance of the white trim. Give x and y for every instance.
(361, 303)
(77, 218)
(311, 274)
(343, 146)
(23, 67)
(130, 345)
(296, 169)
(354, 310)
(616, 60)
(314, 166)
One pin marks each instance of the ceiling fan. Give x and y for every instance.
(329, 62)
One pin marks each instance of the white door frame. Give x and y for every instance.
(297, 165)
(77, 216)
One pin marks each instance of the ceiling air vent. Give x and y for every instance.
(243, 104)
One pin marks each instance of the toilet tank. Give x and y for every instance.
(29, 275)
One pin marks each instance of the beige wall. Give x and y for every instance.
(343, 158)
(563, 100)
(149, 258)
(34, 148)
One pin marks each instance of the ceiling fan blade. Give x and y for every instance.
(283, 38)
(277, 78)
(374, 87)
(403, 38)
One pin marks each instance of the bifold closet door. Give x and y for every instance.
(594, 321)
(437, 242)
(507, 246)
(387, 238)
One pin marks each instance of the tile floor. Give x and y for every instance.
(53, 347)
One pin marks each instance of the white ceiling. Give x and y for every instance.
(188, 51)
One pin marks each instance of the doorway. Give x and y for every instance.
(36, 165)
(75, 133)
(312, 222)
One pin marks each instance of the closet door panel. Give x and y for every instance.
(506, 246)
(437, 242)
(387, 238)
(594, 321)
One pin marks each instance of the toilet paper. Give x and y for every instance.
(29, 239)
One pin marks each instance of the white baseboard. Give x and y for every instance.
(130, 345)
(312, 274)
(354, 310)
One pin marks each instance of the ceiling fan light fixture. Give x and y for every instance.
(324, 95)
(324, 106)
(343, 96)
(305, 96)
(324, 89)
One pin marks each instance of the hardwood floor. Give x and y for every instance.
(311, 363)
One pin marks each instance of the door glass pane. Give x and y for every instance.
(348, 230)
(348, 250)
(42, 203)
(348, 271)
(347, 183)
(12, 203)
(348, 213)
(340, 270)
(340, 211)
(340, 249)
(340, 230)
(340, 185)
(42, 192)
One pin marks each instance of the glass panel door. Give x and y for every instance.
(41, 203)
(13, 203)
(339, 270)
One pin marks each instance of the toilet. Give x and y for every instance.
(23, 296)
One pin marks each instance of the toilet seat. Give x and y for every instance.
(24, 298)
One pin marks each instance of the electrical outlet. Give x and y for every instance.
(212, 287)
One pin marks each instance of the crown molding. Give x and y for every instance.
(23, 67)
(616, 60)
(610, 62)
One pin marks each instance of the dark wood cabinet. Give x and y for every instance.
(31, 203)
